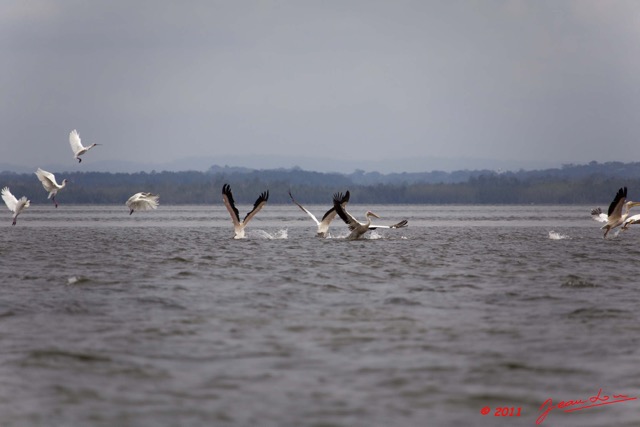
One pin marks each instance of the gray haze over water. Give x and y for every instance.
(328, 86)
(160, 318)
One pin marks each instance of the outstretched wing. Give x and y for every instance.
(401, 224)
(343, 214)
(598, 215)
(615, 208)
(331, 213)
(634, 219)
(75, 142)
(47, 179)
(259, 204)
(151, 201)
(227, 198)
(9, 199)
(143, 201)
(313, 217)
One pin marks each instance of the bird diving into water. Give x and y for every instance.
(77, 147)
(358, 229)
(15, 205)
(617, 214)
(323, 225)
(142, 202)
(49, 183)
(238, 225)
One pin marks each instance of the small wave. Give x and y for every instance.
(554, 235)
(401, 301)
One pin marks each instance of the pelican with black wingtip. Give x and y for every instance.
(238, 225)
(358, 229)
(323, 225)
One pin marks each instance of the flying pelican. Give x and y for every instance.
(16, 206)
(359, 228)
(238, 225)
(49, 183)
(77, 147)
(142, 202)
(615, 216)
(323, 226)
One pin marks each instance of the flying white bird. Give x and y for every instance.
(142, 202)
(359, 228)
(323, 226)
(76, 145)
(49, 183)
(617, 214)
(238, 226)
(16, 206)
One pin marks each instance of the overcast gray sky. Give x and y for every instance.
(551, 81)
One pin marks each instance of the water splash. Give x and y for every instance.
(76, 280)
(554, 235)
(280, 234)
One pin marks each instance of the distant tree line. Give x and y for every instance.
(571, 184)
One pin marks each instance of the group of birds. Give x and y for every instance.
(358, 229)
(137, 202)
(618, 213)
(145, 201)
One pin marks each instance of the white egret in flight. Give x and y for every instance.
(49, 183)
(16, 206)
(76, 145)
(142, 202)
(323, 225)
(359, 228)
(238, 225)
(618, 211)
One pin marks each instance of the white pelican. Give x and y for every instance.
(615, 215)
(49, 183)
(323, 226)
(359, 228)
(76, 145)
(633, 219)
(238, 226)
(142, 202)
(16, 206)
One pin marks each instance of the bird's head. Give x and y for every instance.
(631, 204)
(369, 213)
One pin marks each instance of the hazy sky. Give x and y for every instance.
(543, 81)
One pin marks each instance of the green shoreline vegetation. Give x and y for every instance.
(570, 184)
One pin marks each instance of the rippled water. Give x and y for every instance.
(161, 318)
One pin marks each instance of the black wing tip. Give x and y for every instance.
(262, 198)
(596, 211)
(621, 194)
(226, 189)
(337, 198)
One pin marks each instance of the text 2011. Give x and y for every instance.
(507, 412)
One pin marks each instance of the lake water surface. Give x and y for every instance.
(161, 319)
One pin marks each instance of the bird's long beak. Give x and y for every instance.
(373, 215)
